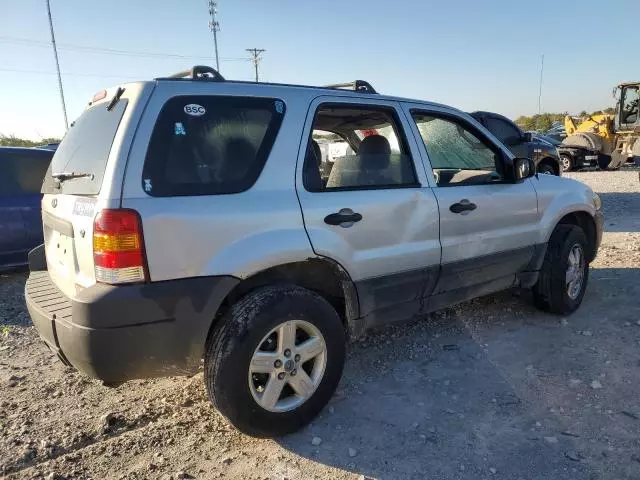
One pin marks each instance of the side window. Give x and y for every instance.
(208, 145)
(23, 174)
(357, 147)
(630, 105)
(31, 172)
(458, 156)
(503, 131)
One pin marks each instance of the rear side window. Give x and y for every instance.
(208, 145)
(503, 131)
(23, 171)
(85, 149)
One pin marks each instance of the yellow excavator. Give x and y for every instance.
(616, 138)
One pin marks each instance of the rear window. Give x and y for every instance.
(208, 145)
(23, 171)
(85, 149)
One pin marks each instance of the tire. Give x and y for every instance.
(546, 169)
(242, 330)
(551, 292)
(566, 162)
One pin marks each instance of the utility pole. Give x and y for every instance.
(256, 57)
(55, 55)
(214, 25)
(540, 92)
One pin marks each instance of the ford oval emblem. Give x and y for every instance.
(54, 202)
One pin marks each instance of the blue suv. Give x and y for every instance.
(23, 170)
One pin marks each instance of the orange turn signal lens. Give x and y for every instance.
(115, 243)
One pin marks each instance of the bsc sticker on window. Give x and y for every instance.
(147, 185)
(179, 129)
(279, 106)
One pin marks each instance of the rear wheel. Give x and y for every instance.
(565, 271)
(274, 360)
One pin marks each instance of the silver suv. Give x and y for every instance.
(190, 218)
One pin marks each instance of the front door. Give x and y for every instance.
(369, 206)
(488, 222)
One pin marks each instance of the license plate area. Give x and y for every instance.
(60, 255)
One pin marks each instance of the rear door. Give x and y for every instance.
(375, 214)
(488, 223)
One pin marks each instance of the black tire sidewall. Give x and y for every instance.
(545, 167)
(570, 167)
(267, 308)
(550, 292)
(575, 237)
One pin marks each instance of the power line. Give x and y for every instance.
(109, 51)
(45, 72)
(55, 55)
(256, 56)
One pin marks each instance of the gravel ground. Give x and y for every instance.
(491, 389)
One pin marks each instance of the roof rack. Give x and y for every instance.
(357, 85)
(198, 72)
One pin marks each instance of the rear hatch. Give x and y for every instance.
(77, 185)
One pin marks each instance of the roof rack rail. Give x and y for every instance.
(197, 72)
(357, 85)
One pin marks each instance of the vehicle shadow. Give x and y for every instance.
(491, 389)
(619, 209)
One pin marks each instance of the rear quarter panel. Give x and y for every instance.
(234, 234)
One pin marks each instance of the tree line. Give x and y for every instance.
(544, 121)
(13, 141)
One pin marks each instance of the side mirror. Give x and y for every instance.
(527, 137)
(524, 168)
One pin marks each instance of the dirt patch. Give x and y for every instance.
(490, 389)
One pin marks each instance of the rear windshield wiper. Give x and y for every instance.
(61, 177)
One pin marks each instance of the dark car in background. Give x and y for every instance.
(574, 156)
(21, 173)
(521, 144)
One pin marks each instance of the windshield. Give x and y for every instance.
(85, 150)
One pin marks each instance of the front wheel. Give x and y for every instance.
(546, 169)
(565, 271)
(274, 360)
(566, 162)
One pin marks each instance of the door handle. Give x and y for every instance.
(345, 215)
(463, 206)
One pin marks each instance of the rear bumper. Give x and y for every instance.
(118, 333)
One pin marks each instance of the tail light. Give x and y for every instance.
(118, 247)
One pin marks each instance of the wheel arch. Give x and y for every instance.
(321, 275)
(587, 223)
(553, 162)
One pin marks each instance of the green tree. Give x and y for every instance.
(13, 141)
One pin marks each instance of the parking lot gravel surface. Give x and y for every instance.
(490, 389)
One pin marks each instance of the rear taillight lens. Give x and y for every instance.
(118, 247)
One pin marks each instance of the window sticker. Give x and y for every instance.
(279, 106)
(194, 110)
(147, 185)
(179, 129)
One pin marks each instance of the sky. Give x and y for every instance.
(472, 54)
